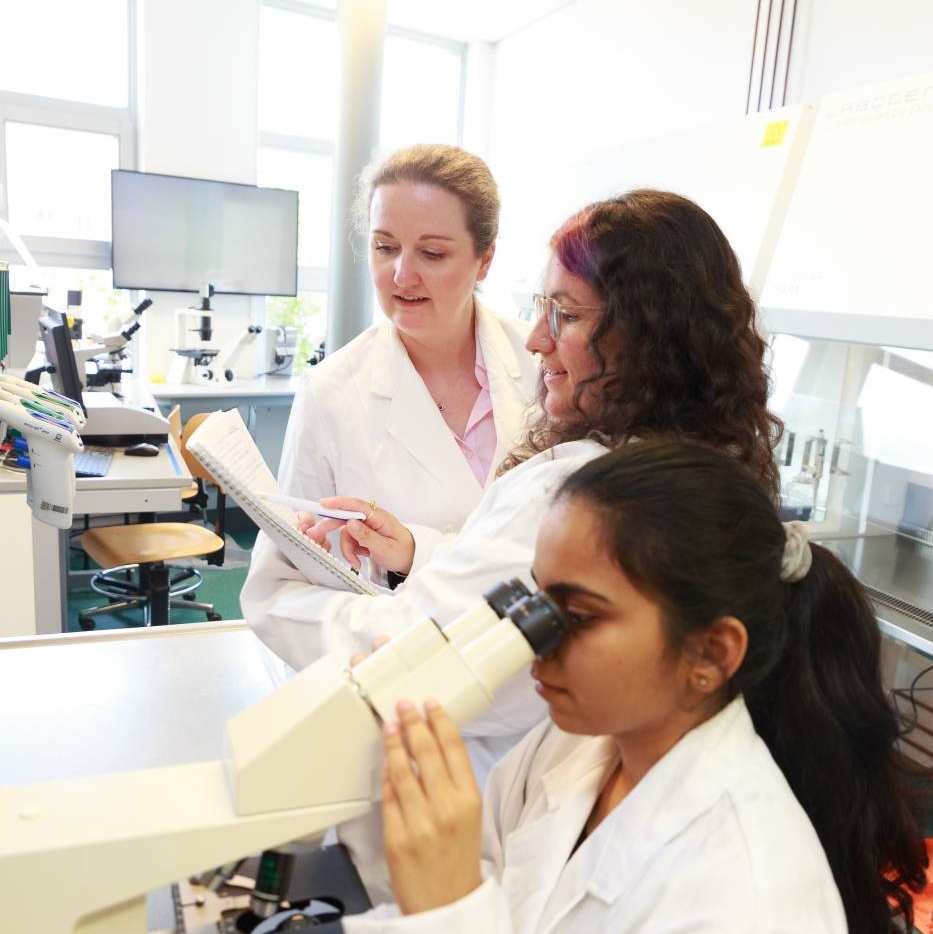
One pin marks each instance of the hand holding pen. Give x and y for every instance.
(379, 535)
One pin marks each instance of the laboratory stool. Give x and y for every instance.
(145, 549)
(194, 496)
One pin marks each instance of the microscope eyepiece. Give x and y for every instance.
(540, 621)
(504, 595)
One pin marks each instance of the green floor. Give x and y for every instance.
(221, 587)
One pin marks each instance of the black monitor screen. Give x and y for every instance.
(56, 335)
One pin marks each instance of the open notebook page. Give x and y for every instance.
(224, 445)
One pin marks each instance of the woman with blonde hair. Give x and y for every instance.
(417, 412)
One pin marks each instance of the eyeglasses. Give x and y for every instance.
(557, 314)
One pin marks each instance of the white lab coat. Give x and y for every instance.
(300, 622)
(711, 841)
(363, 424)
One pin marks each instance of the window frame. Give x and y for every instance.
(59, 114)
(315, 278)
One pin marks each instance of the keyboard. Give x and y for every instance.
(92, 463)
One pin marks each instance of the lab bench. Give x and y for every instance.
(264, 404)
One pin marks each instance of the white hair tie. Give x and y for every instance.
(797, 553)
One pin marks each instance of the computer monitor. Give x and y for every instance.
(59, 351)
(180, 234)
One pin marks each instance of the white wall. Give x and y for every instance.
(197, 101)
(600, 73)
(841, 44)
(596, 74)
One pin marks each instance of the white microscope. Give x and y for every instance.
(277, 346)
(108, 367)
(225, 365)
(194, 357)
(49, 423)
(299, 761)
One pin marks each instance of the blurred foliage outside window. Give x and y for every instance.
(307, 311)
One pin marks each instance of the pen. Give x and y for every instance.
(309, 505)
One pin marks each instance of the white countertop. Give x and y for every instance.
(241, 389)
(121, 700)
(167, 471)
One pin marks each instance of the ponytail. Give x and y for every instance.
(697, 530)
(830, 727)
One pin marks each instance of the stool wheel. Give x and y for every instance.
(87, 623)
(214, 617)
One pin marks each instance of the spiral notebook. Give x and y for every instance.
(224, 446)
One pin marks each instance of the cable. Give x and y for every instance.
(777, 49)
(790, 52)
(281, 368)
(12, 460)
(751, 64)
(764, 57)
(909, 694)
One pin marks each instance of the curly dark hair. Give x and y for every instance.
(691, 363)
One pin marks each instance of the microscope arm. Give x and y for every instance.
(114, 343)
(306, 757)
(50, 428)
(228, 356)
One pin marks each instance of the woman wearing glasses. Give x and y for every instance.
(430, 399)
(646, 331)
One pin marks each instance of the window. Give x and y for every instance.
(310, 175)
(421, 86)
(59, 181)
(297, 74)
(67, 51)
(66, 121)
(307, 311)
(103, 310)
(422, 89)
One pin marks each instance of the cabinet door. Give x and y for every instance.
(17, 581)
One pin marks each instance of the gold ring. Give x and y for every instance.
(372, 509)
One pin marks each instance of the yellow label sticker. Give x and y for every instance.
(774, 133)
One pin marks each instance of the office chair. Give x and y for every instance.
(146, 550)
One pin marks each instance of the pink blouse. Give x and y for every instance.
(478, 442)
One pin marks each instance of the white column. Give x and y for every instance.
(361, 24)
